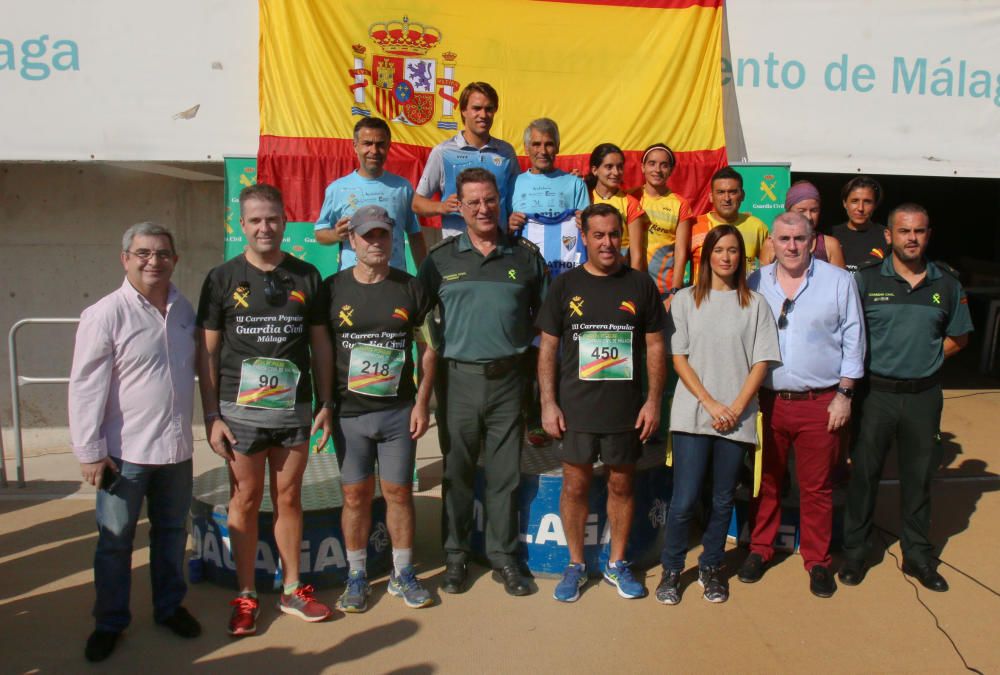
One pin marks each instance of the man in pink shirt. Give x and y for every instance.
(131, 393)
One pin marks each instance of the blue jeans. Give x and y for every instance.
(167, 489)
(691, 455)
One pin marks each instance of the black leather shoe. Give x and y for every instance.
(927, 576)
(851, 573)
(513, 582)
(181, 623)
(100, 644)
(455, 574)
(821, 582)
(752, 569)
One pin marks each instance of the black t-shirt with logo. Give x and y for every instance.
(372, 327)
(861, 247)
(602, 322)
(265, 347)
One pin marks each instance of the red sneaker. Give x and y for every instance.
(243, 620)
(301, 603)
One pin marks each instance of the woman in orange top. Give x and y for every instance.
(607, 170)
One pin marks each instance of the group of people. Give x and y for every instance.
(553, 301)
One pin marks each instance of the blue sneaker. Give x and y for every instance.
(620, 576)
(354, 599)
(573, 579)
(407, 586)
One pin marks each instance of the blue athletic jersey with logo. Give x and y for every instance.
(549, 194)
(393, 193)
(455, 161)
(558, 239)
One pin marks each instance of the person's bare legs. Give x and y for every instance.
(246, 491)
(621, 506)
(356, 517)
(574, 507)
(287, 465)
(400, 517)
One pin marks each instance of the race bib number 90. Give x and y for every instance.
(605, 355)
(268, 383)
(375, 370)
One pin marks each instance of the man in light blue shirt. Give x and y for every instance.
(371, 184)
(807, 399)
(472, 148)
(547, 201)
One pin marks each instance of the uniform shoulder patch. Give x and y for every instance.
(530, 245)
(443, 242)
(945, 267)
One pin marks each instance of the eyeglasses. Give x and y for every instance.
(786, 307)
(489, 202)
(275, 289)
(145, 253)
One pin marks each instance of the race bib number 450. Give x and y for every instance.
(375, 370)
(605, 355)
(268, 383)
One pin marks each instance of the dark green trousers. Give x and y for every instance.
(481, 415)
(913, 421)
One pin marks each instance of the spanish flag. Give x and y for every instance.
(629, 72)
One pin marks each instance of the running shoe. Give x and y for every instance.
(301, 603)
(407, 586)
(573, 579)
(243, 620)
(712, 580)
(669, 590)
(354, 599)
(620, 576)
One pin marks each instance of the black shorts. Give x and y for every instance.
(251, 439)
(581, 447)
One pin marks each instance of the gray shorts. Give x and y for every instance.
(384, 434)
(252, 439)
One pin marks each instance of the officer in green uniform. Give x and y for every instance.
(917, 316)
(488, 292)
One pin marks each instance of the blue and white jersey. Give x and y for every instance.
(549, 194)
(558, 238)
(450, 158)
(393, 193)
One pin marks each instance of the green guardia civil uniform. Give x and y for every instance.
(906, 328)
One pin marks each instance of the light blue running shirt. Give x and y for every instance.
(393, 193)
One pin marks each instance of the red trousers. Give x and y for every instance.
(801, 424)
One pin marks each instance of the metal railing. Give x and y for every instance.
(16, 382)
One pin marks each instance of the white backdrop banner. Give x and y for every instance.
(127, 80)
(894, 86)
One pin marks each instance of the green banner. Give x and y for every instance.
(765, 186)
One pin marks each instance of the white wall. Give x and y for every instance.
(61, 230)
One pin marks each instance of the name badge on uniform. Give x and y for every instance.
(605, 355)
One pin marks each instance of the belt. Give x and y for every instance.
(490, 369)
(891, 384)
(807, 395)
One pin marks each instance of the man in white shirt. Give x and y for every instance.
(131, 392)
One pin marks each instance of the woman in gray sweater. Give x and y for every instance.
(723, 339)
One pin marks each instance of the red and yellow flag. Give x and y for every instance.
(629, 72)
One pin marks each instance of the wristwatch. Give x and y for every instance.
(846, 391)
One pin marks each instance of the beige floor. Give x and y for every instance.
(885, 625)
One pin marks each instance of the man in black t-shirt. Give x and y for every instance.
(259, 317)
(605, 319)
(374, 310)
